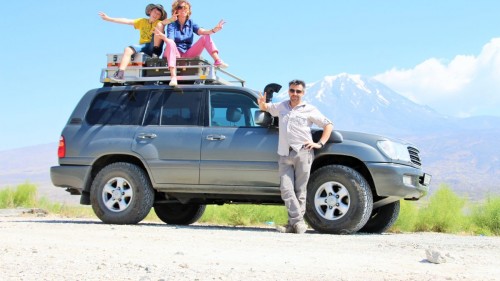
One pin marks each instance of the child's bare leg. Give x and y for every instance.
(157, 40)
(127, 56)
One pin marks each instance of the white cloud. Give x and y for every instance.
(465, 86)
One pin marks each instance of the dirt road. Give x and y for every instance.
(53, 248)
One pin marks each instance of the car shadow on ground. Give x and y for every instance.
(196, 226)
(69, 222)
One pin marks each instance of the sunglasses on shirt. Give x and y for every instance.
(293, 91)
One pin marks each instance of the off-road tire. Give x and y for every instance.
(382, 218)
(177, 213)
(339, 200)
(121, 193)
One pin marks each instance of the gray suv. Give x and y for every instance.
(127, 149)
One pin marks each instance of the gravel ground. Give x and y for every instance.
(55, 248)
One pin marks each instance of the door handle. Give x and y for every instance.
(146, 136)
(216, 137)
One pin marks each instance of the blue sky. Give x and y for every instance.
(444, 54)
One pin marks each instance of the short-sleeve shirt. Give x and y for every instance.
(146, 29)
(183, 38)
(295, 124)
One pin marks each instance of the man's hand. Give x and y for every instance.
(262, 101)
(311, 145)
(262, 98)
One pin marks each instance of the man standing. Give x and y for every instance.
(295, 148)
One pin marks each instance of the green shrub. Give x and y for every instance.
(443, 213)
(407, 217)
(486, 217)
(6, 198)
(245, 214)
(80, 211)
(25, 195)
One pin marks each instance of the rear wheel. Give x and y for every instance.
(339, 200)
(382, 218)
(177, 213)
(121, 194)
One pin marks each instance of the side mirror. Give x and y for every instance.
(263, 118)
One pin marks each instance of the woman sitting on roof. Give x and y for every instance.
(179, 39)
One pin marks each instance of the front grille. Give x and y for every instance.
(414, 156)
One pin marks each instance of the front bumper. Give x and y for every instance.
(398, 180)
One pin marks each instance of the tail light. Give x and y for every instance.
(61, 150)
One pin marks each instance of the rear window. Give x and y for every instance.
(118, 108)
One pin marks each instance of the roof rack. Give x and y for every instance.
(144, 69)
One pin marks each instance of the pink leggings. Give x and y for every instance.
(171, 52)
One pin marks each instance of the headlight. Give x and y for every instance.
(394, 150)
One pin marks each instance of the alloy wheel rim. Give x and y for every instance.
(117, 194)
(332, 200)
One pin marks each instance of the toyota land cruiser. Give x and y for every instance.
(129, 148)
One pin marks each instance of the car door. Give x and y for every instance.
(234, 150)
(169, 140)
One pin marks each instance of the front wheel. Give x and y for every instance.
(176, 213)
(382, 218)
(121, 193)
(339, 200)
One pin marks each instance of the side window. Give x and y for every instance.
(173, 108)
(180, 108)
(118, 108)
(153, 111)
(232, 109)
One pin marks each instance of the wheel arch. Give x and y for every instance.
(348, 161)
(103, 161)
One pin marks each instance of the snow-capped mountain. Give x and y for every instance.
(358, 103)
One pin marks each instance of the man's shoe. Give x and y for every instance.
(285, 229)
(173, 82)
(220, 64)
(300, 228)
(118, 77)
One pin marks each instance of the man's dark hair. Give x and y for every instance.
(297, 82)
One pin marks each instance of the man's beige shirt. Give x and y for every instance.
(295, 124)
